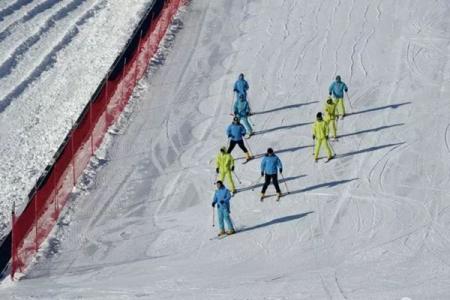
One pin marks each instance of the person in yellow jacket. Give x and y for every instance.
(320, 135)
(330, 116)
(224, 167)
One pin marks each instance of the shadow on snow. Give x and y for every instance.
(371, 130)
(277, 221)
(284, 107)
(257, 185)
(392, 106)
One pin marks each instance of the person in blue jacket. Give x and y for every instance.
(337, 89)
(269, 168)
(222, 198)
(242, 110)
(241, 87)
(236, 133)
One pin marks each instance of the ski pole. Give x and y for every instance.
(349, 102)
(213, 217)
(256, 182)
(285, 184)
(237, 177)
(248, 145)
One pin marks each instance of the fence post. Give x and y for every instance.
(13, 242)
(55, 183)
(123, 82)
(72, 136)
(36, 220)
(91, 126)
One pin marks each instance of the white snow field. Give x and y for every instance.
(53, 56)
(371, 224)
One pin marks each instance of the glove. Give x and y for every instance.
(262, 174)
(232, 168)
(281, 171)
(314, 137)
(217, 170)
(213, 204)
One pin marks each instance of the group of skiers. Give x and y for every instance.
(241, 128)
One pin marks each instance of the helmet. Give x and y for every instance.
(319, 116)
(241, 76)
(269, 151)
(223, 149)
(338, 78)
(329, 100)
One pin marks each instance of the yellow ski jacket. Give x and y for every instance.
(224, 161)
(320, 130)
(330, 111)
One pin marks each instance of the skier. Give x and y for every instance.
(242, 110)
(224, 167)
(330, 116)
(269, 168)
(235, 133)
(337, 89)
(320, 135)
(241, 87)
(222, 200)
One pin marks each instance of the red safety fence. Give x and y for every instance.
(33, 225)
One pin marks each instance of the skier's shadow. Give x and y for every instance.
(282, 127)
(292, 149)
(279, 182)
(392, 106)
(322, 185)
(277, 221)
(370, 149)
(284, 107)
(371, 130)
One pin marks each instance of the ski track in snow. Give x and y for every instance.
(371, 223)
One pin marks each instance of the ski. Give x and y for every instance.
(217, 237)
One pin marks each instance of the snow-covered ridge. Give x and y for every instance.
(53, 56)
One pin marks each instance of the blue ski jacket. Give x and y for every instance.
(337, 89)
(236, 132)
(241, 87)
(241, 108)
(222, 198)
(271, 164)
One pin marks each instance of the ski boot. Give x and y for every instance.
(230, 232)
(262, 197)
(221, 233)
(279, 196)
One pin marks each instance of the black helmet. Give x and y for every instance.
(236, 119)
(338, 78)
(319, 116)
(241, 76)
(329, 100)
(269, 151)
(219, 183)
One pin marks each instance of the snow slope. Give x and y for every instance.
(53, 55)
(372, 224)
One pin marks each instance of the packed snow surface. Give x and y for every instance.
(53, 55)
(371, 224)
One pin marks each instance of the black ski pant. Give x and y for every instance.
(274, 179)
(239, 143)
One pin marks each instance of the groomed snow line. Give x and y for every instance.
(31, 227)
